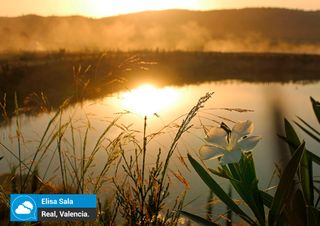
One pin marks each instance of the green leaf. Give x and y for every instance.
(316, 108)
(313, 215)
(229, 211)
(246, 184)
(286, 185)
(291, 136)
(220, 193)
(306, 177)
(309, 126)
(250, 187)
(305, 171)
(312, 135)
(314, 158)
(267, 198)
(197, 219)
(298, 213)
(222, 173)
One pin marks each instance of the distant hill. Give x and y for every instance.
(252, 29)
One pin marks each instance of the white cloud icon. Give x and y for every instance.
(28, 205)
(22, 210)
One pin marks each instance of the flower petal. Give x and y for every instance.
(217, 135)
(239, 130)
(209, 151)
(231, 157)
(248, 143)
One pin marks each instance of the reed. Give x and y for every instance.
(143, 194)
(141, 198)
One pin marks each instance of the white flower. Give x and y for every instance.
(229, 144)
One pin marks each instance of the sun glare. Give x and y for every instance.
(147, 99)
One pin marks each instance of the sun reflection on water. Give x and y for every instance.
(148, 99)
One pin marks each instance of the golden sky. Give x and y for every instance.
(101, 8)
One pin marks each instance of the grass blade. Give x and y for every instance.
(305, 171)
(308, 132)
(14, 155)
(41, 144)
(250, 183)
(229, 211)
(314, 158)
(18, 134)
(291, 136)
(267, 198)
(313, 215)
(309, 126)
(316, 108)
(197, 219)
(297, 214)
(214, 186)
(285, 186)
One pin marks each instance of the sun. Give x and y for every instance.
(100, 8)
(147, 99)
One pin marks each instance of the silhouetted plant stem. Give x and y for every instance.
(60, 153)
(182, 129)
(18, 136)
(144, 150)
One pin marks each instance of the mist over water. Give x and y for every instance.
(167, 30)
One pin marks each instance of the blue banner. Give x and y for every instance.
(48, 207)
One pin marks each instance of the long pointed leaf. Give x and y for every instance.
(316, 108)
(306, 174)
(248, 173)
(229, 211)
(214, 186)
(308, 125)
(197, 219)
(305, 171)
(267, 198)
(297, 214)
(247, 187)
(285, 186)
(313, 215)
(291, 136)
(308, 132)
(313, 157)
(222, 173)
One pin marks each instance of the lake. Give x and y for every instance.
(266, 104)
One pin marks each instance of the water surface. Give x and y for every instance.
(263, 103)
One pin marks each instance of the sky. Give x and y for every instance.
(103, 8)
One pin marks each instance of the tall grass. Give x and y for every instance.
(141, 196)
(75, 159)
